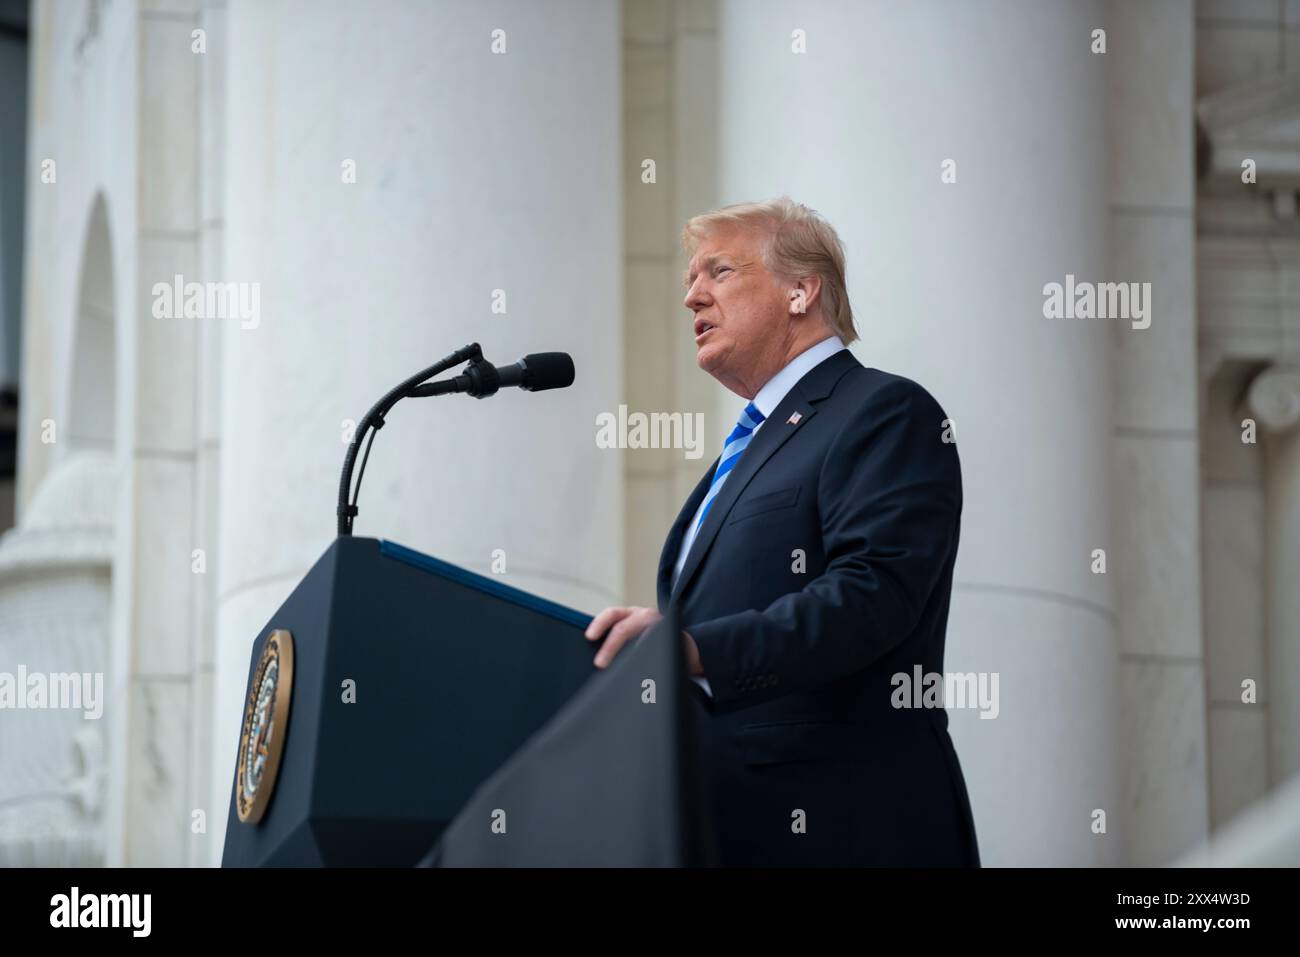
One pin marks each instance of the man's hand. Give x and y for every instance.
(624, 624)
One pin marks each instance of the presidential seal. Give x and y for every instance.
(266, 719)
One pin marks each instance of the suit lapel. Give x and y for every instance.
(775, 432)
(668, 557)
(799, 404)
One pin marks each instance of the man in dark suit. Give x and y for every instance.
(812, 566)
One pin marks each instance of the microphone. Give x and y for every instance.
(537, 372)
(533, 373)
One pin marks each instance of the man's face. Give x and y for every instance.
(741, 312)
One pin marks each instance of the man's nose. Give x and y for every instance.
(696, 298)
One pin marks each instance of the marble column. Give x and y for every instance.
(947, 280)
(154, 575)
(207, 492)
(1156, 432)
(392, 174)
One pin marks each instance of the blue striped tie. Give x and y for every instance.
(737, 441)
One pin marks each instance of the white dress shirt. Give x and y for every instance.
(768, 398)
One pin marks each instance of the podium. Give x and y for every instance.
(392, 687)
(611, 781)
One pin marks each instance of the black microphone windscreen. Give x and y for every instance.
(547, 370)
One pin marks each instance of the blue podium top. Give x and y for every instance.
(487, 585)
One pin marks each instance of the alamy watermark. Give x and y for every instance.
(651, 430)
(75, 909)
(1105, 300)
(208, 300)
(950, 689)
(39, 690)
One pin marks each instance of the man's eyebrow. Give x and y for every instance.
(708, 262)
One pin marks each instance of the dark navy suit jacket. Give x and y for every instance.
(823, 568)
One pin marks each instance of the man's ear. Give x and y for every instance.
(802, 294)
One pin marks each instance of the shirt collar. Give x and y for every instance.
(777, 387)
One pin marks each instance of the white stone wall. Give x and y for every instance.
(1248, 268)
(475, 172)
(1240, 39)
(82, 116)
(82, 119)
(54, 621)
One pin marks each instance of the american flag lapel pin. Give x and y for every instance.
(794, 418)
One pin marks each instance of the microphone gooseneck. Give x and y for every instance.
(533, 373)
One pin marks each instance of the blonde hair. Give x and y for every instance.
(800, 243)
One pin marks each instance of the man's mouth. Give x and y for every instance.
(702, 328)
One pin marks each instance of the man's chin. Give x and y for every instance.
(707, 358)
